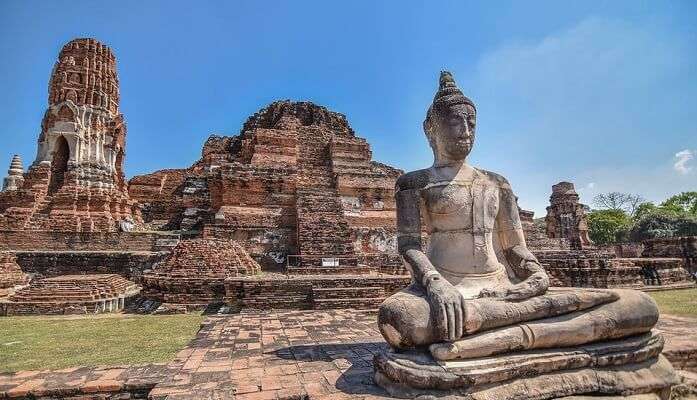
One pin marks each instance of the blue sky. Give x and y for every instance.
(603, 94)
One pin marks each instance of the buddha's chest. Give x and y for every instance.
(461, 206)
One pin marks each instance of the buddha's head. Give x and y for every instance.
(450, 122)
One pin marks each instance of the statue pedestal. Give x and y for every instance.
(629, 367)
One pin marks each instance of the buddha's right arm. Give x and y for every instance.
(447, 304)
(409, 235)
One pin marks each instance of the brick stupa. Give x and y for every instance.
(76, 182)
(194, 274)
(296, 185)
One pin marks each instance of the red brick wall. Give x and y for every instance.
(81, 241)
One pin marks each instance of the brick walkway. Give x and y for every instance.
(268, 356)
(135, 381)
(285, 355)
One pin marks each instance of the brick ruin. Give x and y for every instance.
(561, 244)
(71, 294)
(76, 182)
(295, 186)
(194, 274)
(295, 194)
(566, 217)
(11, 274)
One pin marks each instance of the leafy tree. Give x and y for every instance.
(617, 201)
(661, 223)
(644, 209)
(683, 203)
(608, 226)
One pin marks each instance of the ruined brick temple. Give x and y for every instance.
(560, 241)
(566, 217)
(291, 212)
(76, 182)
(296, 182)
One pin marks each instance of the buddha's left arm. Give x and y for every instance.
(534, 279)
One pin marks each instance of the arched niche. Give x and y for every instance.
(66, 114)
(59, 165)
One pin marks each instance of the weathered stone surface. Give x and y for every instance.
(418, 370)
(478, 291)
(71, 294)
(652, 377)
(76, 182)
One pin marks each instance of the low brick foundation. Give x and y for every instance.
(312, 292)
(603, 270)
(42, 264)
(86, 241)
(71, 294)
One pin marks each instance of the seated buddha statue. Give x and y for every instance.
(477, 290)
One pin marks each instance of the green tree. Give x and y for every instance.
(684, 203)
(606, 226)
(644, 209)
(663, 223)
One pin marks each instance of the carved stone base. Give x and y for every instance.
(628, 367)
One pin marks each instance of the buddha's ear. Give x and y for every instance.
(429, 125)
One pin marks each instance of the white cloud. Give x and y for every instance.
(587, 187)
(682, 158)
(575, 105)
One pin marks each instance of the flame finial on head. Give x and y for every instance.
(448, 93)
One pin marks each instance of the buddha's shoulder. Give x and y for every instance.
(495, 179)
(413, 180)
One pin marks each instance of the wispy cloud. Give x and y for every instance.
(682, 159)
(571, 102)
(589, 186)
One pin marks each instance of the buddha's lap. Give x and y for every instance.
(406, 320)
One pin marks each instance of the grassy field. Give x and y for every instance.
(678, 302)
(28, 343)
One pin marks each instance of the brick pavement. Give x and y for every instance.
(322, 355)
(127, 382)
(279, 355)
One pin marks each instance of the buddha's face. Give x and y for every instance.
(454, 134)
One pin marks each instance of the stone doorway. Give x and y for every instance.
(59, 165)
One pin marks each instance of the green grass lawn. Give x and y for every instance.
(678, 302)
(29, 343)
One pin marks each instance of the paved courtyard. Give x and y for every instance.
(263, 356)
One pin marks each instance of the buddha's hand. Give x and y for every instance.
(448, 308)
(535, 285)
